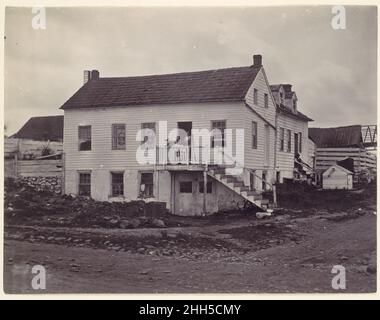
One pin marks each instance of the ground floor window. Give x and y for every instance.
(146, 184)
(84, 188)
(209, 186)
(185, 187)
(117, 184)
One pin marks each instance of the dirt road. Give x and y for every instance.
(283, 264)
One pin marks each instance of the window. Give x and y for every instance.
(209, 186)
(281, 98)
(218, 137)
(278, 177)
(282, 133)
(117, 184)
(266, 101)
(254, 135)
(295, 105)
(255, 96)
(263, 180)
(300, 142)
(118, 137)
(84, 188)
(289, 141)
(186, 187)
(148, 134)
(146, 184)
(84, 137)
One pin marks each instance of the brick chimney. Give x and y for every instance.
(257, 60)
(94, 74)
(287, 87)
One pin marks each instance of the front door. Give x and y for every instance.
(295, 143)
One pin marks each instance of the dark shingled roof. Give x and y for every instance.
(221, 85)
(350, 136)
(42, 128)
(298, 115)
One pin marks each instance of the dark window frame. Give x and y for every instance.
(147, 125)
(266, 100)
(222, 130)
(282, 139)
(289, 133)
(254, 134)
(84, 138)
(149, 187)
(116, 145)
(117, 187)
(186, 186)
(84, 185)
(255, 96)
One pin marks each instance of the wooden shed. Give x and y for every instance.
(337, 177)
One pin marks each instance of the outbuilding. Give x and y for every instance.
(337, 177)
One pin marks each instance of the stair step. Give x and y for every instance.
(244, 188)
(265, 201)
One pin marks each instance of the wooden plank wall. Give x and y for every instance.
(39, 168)
(325, 157)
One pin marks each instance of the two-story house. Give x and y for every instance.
(292, 156)
(109, 121)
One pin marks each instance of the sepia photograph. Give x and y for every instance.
(187, 150)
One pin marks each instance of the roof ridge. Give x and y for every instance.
(179, 73)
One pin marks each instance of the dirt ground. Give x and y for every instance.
(289, 252)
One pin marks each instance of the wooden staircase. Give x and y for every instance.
(234, 184)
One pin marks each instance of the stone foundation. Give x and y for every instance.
(51, 184)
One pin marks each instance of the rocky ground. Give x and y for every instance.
(294, 250)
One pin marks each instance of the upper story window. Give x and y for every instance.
(255, 96)
(289, 141)
(254, 135)
(84, 138)
(295, 105)
(118, 137)
(266, 100)
(281, 98)
(282, 139)
(218, 134)
(148, 133)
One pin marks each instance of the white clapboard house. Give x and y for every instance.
(102, 136)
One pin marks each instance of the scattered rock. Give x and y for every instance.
(158, 223)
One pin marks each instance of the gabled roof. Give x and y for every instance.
(42, 128)
(222, 85)
(339, 137)
(339, 168)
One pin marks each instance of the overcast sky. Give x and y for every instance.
(333, 71)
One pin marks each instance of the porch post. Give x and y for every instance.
(204, 190)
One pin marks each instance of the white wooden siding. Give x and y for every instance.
(285, 159)
(255, 158)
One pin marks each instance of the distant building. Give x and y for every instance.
(340, 143)
(337, 177)
(49, 128)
